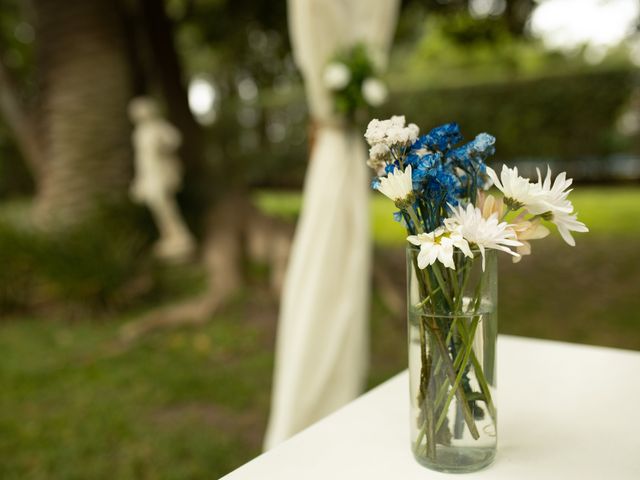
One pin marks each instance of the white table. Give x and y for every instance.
(565, 412)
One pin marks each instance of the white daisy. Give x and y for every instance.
(439, 245)
(552, 197)
(553, 201)
(483, 232)
(397, 185)
(518, 191)
(567, 223)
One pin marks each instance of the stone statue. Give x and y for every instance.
(158, 177)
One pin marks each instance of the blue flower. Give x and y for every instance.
(412, 159)
(423, 167)
(442, 138)
(444, 185)
(471, 156)
(419, 144)
(375, 183)
(484, 145)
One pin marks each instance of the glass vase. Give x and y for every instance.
(452, 317)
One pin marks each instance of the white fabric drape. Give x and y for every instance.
(322, 340)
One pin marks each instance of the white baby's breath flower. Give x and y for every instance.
(397, 136)
(397, 121)
(518, 191)
(379, 152)
(391, 132)
(483, 232)
(376, 131)
(374, 91)
(439, 246)
(397, 185)
(413, 132)
(378, 157)
(336, 76)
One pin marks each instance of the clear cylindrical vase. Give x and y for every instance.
(452, 316)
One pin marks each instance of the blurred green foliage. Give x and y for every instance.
(555, 116)
(457, 49)
(561, 117)
(96, 264)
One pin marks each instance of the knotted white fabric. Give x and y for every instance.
(322, 340)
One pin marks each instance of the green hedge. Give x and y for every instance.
(564, 117)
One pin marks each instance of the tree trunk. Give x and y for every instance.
(86, 87)
(168, 72)
(21, 124)
(517, 13)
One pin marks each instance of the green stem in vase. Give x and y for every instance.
(442, 284)
(451, 373)
(466, 270)
(458, 391)
(425, 368)
(426, 361)
(450, 370)
(456, 386)
(482, 381)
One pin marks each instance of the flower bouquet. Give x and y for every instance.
(455, 229)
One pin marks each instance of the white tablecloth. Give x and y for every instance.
(565, 411)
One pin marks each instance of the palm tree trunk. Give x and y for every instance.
(86, 87)
(20, 122)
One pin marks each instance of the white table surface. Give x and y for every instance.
(565, 411)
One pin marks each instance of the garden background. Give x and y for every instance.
(116, 365)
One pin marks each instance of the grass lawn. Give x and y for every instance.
(605, 210)
(185, 404)
(192, 403)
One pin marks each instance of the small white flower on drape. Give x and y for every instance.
(374, 91)
(336, 76)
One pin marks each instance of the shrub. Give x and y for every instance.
(92, 264)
